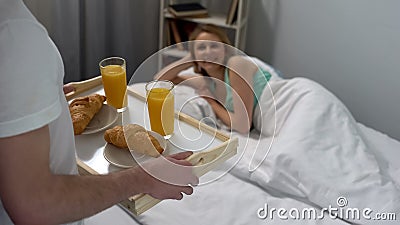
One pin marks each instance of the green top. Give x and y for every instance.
(260, 80)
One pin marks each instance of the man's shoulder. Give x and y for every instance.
(14, 12)
(15, 16)
(26, 28)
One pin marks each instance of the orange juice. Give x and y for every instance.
(160, 103)
(114, 82)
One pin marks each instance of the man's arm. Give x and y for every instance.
(31, 194)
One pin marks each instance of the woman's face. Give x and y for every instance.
(210, 51)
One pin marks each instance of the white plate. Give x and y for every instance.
(118, 157)
(142, 157)
(124, 158)
(102, 120)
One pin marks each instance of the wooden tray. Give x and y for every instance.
(218, 148)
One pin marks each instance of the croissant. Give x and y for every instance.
(134, 137)
(83, 109)
(116, 137)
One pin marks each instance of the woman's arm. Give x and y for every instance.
(220, 111)
(171, 71)
(241, 72)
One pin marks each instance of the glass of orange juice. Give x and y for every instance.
(113, 74)
(160, 104)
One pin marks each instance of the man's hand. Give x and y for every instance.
(67, 88)
(168, 177)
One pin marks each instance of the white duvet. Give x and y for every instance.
(320, 158)
(319, 155)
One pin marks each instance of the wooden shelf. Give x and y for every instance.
(238, 28)
(216, 19)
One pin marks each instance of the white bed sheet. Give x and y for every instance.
(232, 201)
(113, 215)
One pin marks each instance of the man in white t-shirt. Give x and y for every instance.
(38, 174)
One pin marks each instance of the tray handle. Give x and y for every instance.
(201, 158)
(206, 160)
(83, 86)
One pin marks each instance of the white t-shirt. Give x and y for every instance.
(31, 80)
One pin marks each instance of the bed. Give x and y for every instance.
(317, 160)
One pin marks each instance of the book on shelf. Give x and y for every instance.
(176, 36)
(188, 10)
(180, 31)
(232, 13)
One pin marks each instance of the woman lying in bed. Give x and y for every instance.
(230, 82)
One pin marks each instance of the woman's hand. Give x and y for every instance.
(205, 93)
(195, 81)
